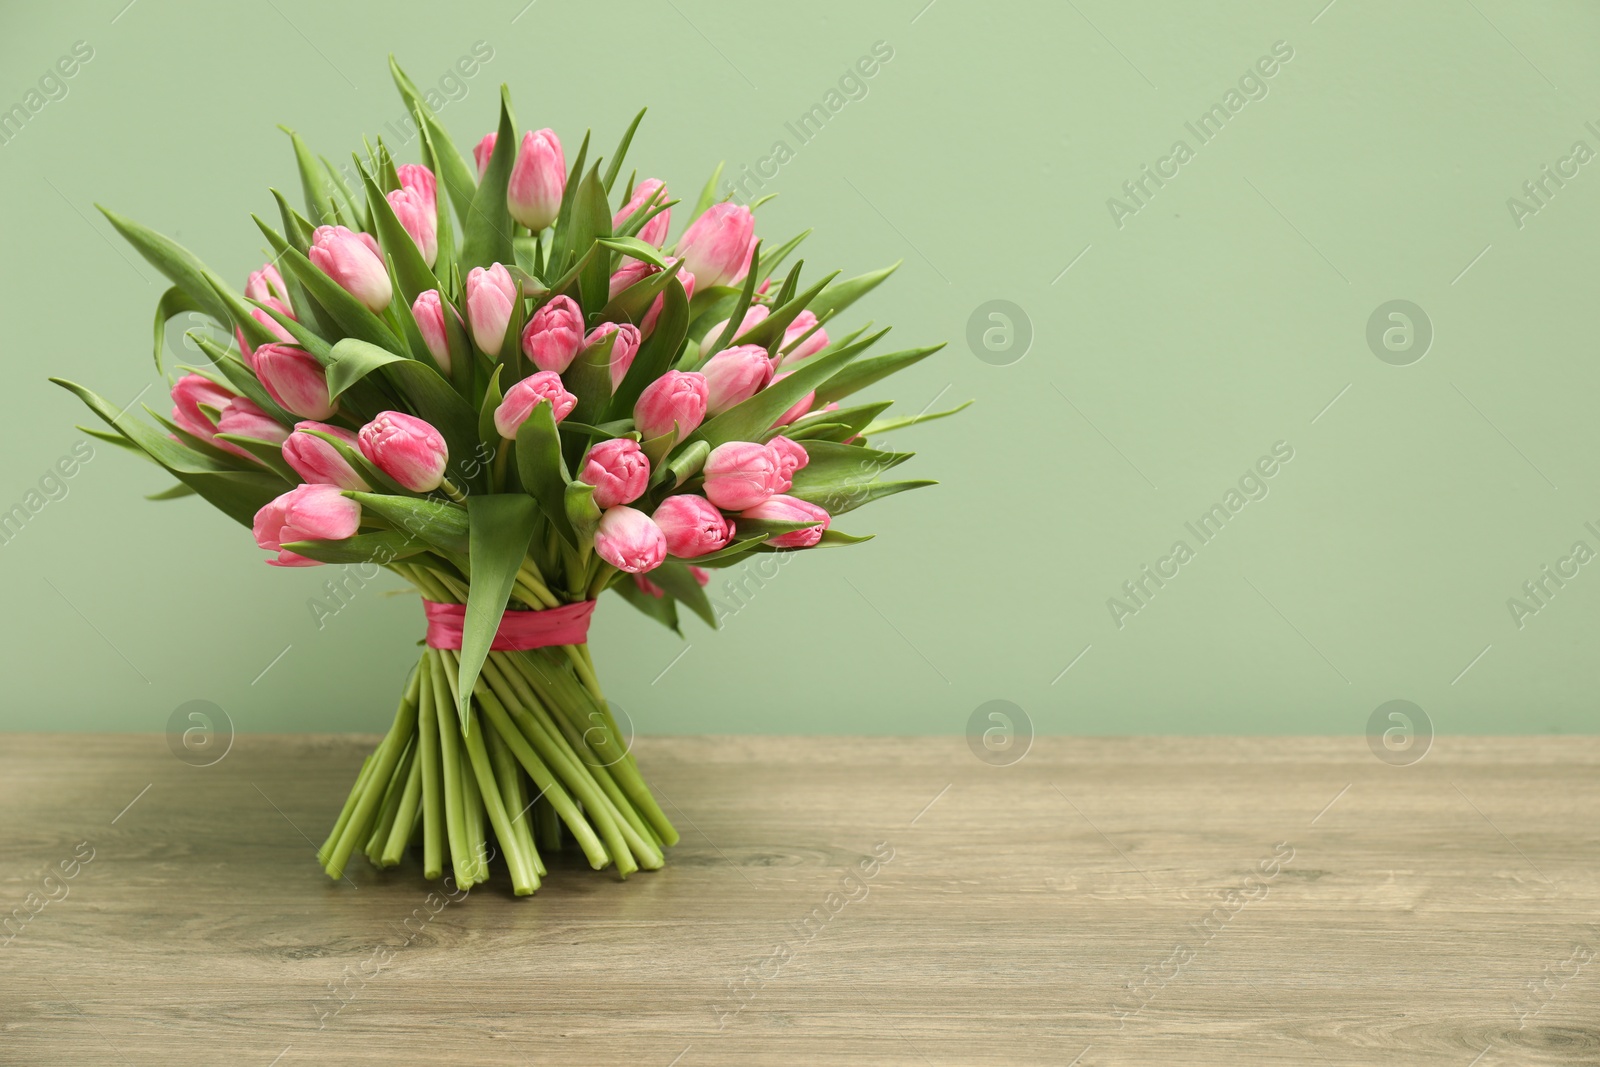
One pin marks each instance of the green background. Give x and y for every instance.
(1219, 319)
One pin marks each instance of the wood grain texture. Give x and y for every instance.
(1443, 913)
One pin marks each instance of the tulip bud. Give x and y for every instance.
(702, 575)
(554, 335)
(692, 526)
(428, 312)
(420, 180)
(755, 314)
(716, 247)
(405, 448)
(791, 457)
(522, 398)
(538, 179)
(420, 219)
(490, 294)
(295, 380)
(276, 328)
(735, 375)
(647, 586)
(632, 272)
(354, 261)
(483, 151)
(623, 349)
(789, 509)
(629, 541)
(800, 407)
(618, 470)
(266, 284)
(318, 462)
(674, 401)
(305, 513)
(741, 474)
(191, 391)
(243, 418)
(654, 231)
(792, 350)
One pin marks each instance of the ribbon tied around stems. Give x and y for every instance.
(518, 630)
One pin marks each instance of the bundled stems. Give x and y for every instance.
(535, 762)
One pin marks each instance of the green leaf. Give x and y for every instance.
(173, 302)
(675, 578)
(835, 466)
(750, 420)
(890, 425)
(382, 547)
(429, 395)
(838, 297)
(632, 246)
(588, 378)
(440, 524)
(374, 477)
(176, 492)
(768, 333)
(770, 262)
(488, 226)
(663, 609)
(708, 195)
(633, 303)
(735, 318)
(590, 222)
(770, 528)
(582, 512)
(838, 500)
(240, 378)
(683, 466)
(868, 371)
(447, 162)
(542, 470)
(320, 202)
(730, 553)
(622, 150)
(841, 424)
(268, 453)
(491, 400)
(173, 260)
(500, 530)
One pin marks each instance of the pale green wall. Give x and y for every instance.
(1214, 322)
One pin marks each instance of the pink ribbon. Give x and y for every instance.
(518, 630)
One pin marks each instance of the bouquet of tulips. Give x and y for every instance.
(490, 382)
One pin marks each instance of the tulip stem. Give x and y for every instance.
(432, 784)
(498, 478)
(449, 490)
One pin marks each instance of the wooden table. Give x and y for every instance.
(1102, 901)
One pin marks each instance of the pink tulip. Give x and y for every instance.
(788, 509)
(702, 575)
(295, 380)
(420, 219)
(243, 418)
(188, 393)
(428, 311)
(629, 541)
(623, 349)
(483, 151)
(648, 586)
(735, 375)
(490, 294)
(405, 448)
(618, 470)
(305, 513)
(276, 328)
(318, 462)
(354, 261)
(792, 350)
(716, 247)
(654, 231)
(676, 401)
(266, 284)
(801, 406)
(420, 180)
(631, 273)
(791, 457)
(554, 335)
(741, 474)
(754, 315)
(538, 179)
(522, 398)
(692, 526)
